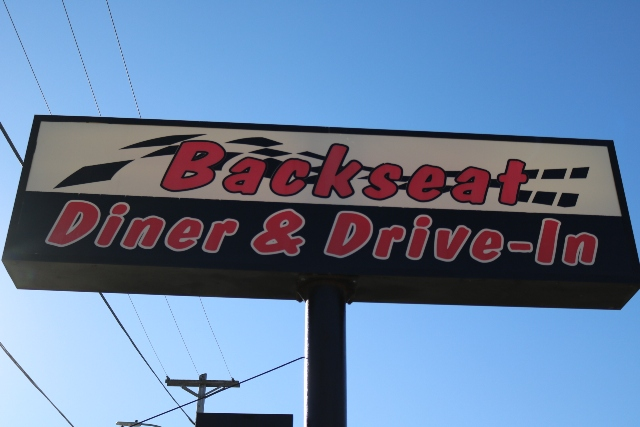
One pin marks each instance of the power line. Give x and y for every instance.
(214, 337)
(81, 60)
(34, 383)
(140, 353)
(114, 316)
(145, 331)
(216, 391)
(113, 23)
(26, 56)
(183, 341)
(6, 135)
(13, 147)
(147, 335)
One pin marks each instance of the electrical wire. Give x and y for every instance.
(26, 56)
(95, 100)
(112, 312)
(145, 331)
(216, 392)
(15, 151)
(34, 383)
(143, 358)
(13, 147)
(113, 24)
(183, 341)
(147, 335)
(81, 59)
(214, 337)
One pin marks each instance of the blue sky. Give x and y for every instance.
(543, 68)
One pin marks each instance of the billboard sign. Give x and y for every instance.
(240, 210)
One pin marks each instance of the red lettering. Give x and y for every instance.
(184, 234)
(381, 180)
(282, 183)
(546, 250)
(350, 232)
(511, 180)
(520, 247)
(386, 238)
(472, 187)
(143, 232)
(245, 176)
(190, 167)
(581, 247)
(76, 220)
(426, 183)
(217, 233)
(112, 225)
(277, 235)
(419, 237)
(486, 246)
(334, 176)
(448, 246)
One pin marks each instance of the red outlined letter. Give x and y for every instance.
(381, 180)
(190, 167)
(546, 250)
(486, 246)
(582, 247)
(334, 176)
(184, 234)
(245, 176)
(77, 219)
(419, 237)
(217, 232)
(520, 247)
(447, 247)
(350, 232)
(472, 187)
(386, 238)
(426, 183)
(112, 225)
(288, 179)
(143, 232)
(511, 180)
(277, 235)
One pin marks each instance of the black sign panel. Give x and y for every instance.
(243, 420)
(191, 208)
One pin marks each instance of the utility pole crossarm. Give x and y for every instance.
(135, 423)
(205, 383)
(202, 383)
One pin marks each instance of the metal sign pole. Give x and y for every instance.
(325, 350)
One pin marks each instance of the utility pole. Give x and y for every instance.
(202, 383)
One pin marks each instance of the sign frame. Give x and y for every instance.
(240, 283)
